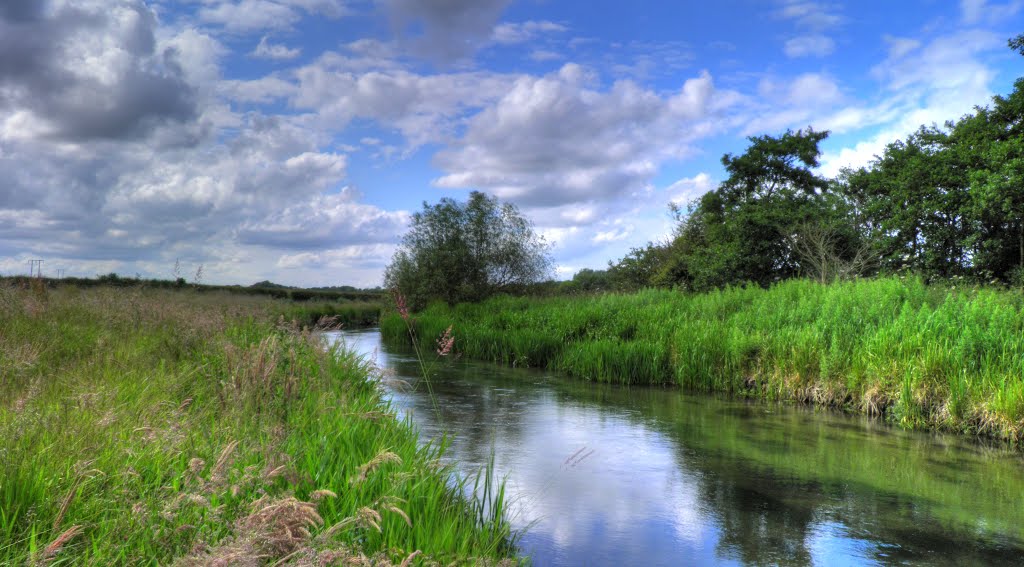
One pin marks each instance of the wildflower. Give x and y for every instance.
(445, 343)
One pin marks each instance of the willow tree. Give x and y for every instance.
(457, 252)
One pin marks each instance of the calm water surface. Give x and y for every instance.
(602, 475)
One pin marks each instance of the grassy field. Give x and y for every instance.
(921, 356)
(159, 427)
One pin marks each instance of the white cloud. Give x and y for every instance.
(244, 16)
(809, 14)
(263, 90)
(814, 18)
(927, 84)
(948, 62)
(424, 108)
(249, 15)
(981, 11)
(556, 139)
(511, 33)
(545, 55)
(613, 235)
(266, 50)
(809, 46)
(900, 47)
(792, 102)
(690, 188)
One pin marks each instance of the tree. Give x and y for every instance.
(589, 281)
(639, 268)
(994, 138)
(469, 251)
(743, 230)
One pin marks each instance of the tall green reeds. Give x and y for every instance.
(923, 356)
(155, 427)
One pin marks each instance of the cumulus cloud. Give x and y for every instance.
(813, 19)
(792, 102)
(424, 108)
(688, 189)
(809, 46)
(119, 152)
(511, 33)
(244, 16)
(810, 14)
(446, 30)
(322, 222)
(90, 71)
(558, 139)
(266, 50)
(370, 258)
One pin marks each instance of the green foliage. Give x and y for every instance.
(589, 281)
(640, 268)
(744, 230)
(945, 203)
(467, 252)
(924, 356)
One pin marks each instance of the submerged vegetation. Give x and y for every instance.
(154, 427)
(921, 356)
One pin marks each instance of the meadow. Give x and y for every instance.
(921, 356)
(173, 427)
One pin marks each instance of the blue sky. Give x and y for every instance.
(290, 140)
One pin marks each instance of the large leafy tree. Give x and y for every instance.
(913, 201)
(745, 230)
(468, 251)
(990, 145)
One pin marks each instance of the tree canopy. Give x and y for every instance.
(945, 202)
(457, 251)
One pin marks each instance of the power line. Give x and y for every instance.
(35, 268)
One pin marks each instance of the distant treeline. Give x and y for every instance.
(272, 290)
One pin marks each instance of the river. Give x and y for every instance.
(605, 475)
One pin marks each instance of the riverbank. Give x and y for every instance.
(920, 356)
(155, 427)
(605, 474)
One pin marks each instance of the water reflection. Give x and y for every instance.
(604, 475)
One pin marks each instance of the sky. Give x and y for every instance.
(291, 140)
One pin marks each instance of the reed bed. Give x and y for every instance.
(159, 427)
(921, 356)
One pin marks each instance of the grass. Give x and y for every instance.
(348, 314)
(921, 356)
(153, 427)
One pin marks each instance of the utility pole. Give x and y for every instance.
(60, 273)
(35, 267)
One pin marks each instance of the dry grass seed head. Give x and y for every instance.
(283, 524)
(383, 457)
(318, 495)
(390, 504)
(222, 461)
(53, 548)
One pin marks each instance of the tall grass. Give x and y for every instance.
(347, 314)
(154, 427)
(922, 356)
